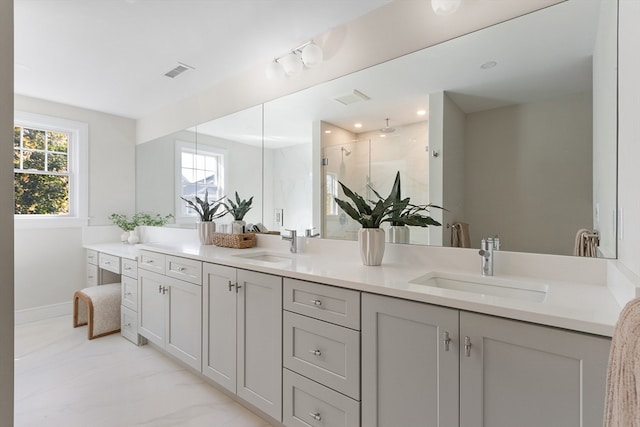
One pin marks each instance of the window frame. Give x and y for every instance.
(193, 147)
(78, 166)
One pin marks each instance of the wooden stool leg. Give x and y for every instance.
(80, 317)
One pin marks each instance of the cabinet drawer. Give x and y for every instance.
(92, 257)
(129, 324)
(109, 262)
(184, 269)
(130, 292)
(92, 275)
(324, 352)
(335, 305)
(307, 403)
(130, 268)
(151, 261)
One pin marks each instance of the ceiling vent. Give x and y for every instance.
(181, 68)
(352, 97)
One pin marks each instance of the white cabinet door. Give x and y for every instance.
(519, 374)
(259, 341)
(151, 301)
(219, 325)
(409, 374)
(183, 324)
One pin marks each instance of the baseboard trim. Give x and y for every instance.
(44, 312)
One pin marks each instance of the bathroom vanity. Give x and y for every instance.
(315, 338)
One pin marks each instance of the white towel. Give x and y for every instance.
(460, 235)
(622, 406)
(586, 243)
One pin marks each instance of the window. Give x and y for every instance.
(200, 170)
(331, 186)
(50, 170)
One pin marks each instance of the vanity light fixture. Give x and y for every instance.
(421, 112)
(445, 7)
(291, 64)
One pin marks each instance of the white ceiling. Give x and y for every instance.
(111, 55)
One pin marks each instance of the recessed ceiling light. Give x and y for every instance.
(488, 64)
(327, 131)
(421, 112)
(358, 125)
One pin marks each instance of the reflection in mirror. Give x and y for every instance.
(222, 157)
(521, 131)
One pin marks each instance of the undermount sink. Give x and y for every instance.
(265, 257)
(485, 285)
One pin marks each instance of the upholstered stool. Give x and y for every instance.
(101, 310)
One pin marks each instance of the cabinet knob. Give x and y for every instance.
(127, 268)
(127, 293)
(467, 346)
(316, 352)
(316, 302)
(149, 261)
(181, 269)
(315, 415)
(127, 325)
(446, 339)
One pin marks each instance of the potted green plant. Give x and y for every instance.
(371, 215)
(125, 223)
(207, 211)
(238, 210)
(128, 225)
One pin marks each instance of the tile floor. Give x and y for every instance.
(64, 380)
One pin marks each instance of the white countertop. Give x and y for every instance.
(122, 250)
(579, 306)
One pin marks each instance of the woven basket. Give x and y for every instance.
(237, 241)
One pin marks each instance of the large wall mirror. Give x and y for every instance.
(512, 129)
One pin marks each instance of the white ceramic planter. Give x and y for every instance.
(371, 245)
(399, 234)
(205, 232)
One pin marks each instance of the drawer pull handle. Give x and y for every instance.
(316, 302)
(127, 325)
(467, 346)
(127, 268)
(107, 263)
(91, 277)
(446, 339)
(316, 352)
(315, 415)
(127, 293)
(181, 269)
(149, 261)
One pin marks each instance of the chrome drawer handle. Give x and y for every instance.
(467, 346)
(107, 263)
(127, 268)
(181, 269)
(315, 415)
(316, 302)
(446, 339)
(149, 261)
(316, 352)
(127, 293)
(127, 325)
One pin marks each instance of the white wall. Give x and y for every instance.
(605, 97)
(6, 212)
(50, 261)
(629, 135)
(292, 186)
(547, 167)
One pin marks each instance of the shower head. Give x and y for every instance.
(387, 129)
(345, 151)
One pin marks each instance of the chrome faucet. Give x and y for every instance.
(293, 238)
(309, 232)
(487, 247)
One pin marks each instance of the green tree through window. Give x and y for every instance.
(41, 171)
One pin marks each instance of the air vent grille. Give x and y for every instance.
(352, 97)
(181, 68)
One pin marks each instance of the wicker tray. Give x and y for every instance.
(237, 241)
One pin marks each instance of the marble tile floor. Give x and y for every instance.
(63, 379)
